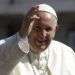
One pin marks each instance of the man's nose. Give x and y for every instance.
(44, 33)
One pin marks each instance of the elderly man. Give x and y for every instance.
(33, 50)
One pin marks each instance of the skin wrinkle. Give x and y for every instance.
(37, 18)
(34, 17)
(28, 19)
(46, 19)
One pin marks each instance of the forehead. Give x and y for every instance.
(44, 15)
(46, 18)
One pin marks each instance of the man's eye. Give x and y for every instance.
(37, 28)
(48, 29)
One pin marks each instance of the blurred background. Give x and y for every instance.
(13, 11)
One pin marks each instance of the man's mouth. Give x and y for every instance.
(41, 42)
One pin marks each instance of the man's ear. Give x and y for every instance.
(57, 28)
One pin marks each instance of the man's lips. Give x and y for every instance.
(42, 41)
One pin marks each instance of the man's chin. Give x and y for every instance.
(38, 50)
(41, 49)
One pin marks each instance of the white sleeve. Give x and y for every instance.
(69, 61)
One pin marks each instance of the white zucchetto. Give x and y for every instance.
(47, 8)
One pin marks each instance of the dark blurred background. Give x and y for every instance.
(13, 11)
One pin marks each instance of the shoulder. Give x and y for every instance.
(63, 55)
(65, 50)
(58, 44)
(59, 47)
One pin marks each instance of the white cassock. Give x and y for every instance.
(57, 59)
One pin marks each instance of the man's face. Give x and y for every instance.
(42, 32)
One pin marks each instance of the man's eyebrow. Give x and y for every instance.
(35, 17)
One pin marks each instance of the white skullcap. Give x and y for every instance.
(47, 8)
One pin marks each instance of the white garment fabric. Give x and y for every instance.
(14, 61)
(61, 61)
